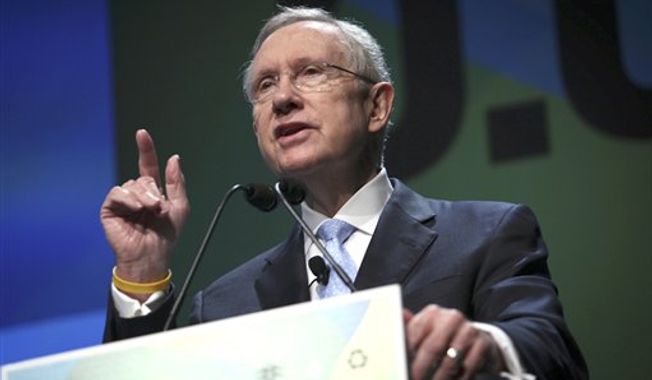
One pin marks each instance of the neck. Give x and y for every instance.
(328, 192)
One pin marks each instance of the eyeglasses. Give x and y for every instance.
(314, 77)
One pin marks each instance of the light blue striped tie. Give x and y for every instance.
(334, 233)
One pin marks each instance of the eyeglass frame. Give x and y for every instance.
(362, 77)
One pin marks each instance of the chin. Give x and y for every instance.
(295, 169)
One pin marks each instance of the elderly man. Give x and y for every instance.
(477, 292)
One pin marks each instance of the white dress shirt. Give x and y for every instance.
(362, 211)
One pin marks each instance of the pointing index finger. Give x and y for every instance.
(147, 159)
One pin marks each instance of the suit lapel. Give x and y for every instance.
(403, 234)
(284, 280)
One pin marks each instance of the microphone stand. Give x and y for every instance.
(336, 267)
(200, 253)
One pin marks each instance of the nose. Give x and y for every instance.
(286, 98)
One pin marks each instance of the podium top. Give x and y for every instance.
(357, 336)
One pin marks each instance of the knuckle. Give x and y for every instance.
(147, 181)
(469, 331)
(122, 190)
(431, 310)
(454, 315)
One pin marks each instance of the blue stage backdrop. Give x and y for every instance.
(57, 163)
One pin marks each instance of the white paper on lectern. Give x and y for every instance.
(358, 336)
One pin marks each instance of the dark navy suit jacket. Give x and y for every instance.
(486, 259)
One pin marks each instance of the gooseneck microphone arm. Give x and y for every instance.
(335, 266)
(257, 195)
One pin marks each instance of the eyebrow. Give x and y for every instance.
(305, 60)
(300, 61)
(263, 73)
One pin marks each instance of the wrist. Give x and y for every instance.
(140, 290)
(141, 272)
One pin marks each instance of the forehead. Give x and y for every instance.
(300, 41)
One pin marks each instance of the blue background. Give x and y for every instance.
(57, 164)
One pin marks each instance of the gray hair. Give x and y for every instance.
(366, 55)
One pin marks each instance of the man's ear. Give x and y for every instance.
(381, 103)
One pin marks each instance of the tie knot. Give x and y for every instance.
(335, 229)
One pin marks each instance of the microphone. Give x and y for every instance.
(319, 268)
(334, 265)
(261, 196)
(293, 192)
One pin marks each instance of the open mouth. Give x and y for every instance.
(289, 129)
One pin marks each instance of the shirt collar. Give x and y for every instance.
(362, 210)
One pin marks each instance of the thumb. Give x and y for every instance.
(175, 182)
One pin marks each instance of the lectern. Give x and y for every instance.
(358, 336)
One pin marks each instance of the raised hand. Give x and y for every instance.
(141, 223)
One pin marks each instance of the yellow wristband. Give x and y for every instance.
(141, 287)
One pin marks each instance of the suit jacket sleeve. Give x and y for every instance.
(117, 328)
(514, 291)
